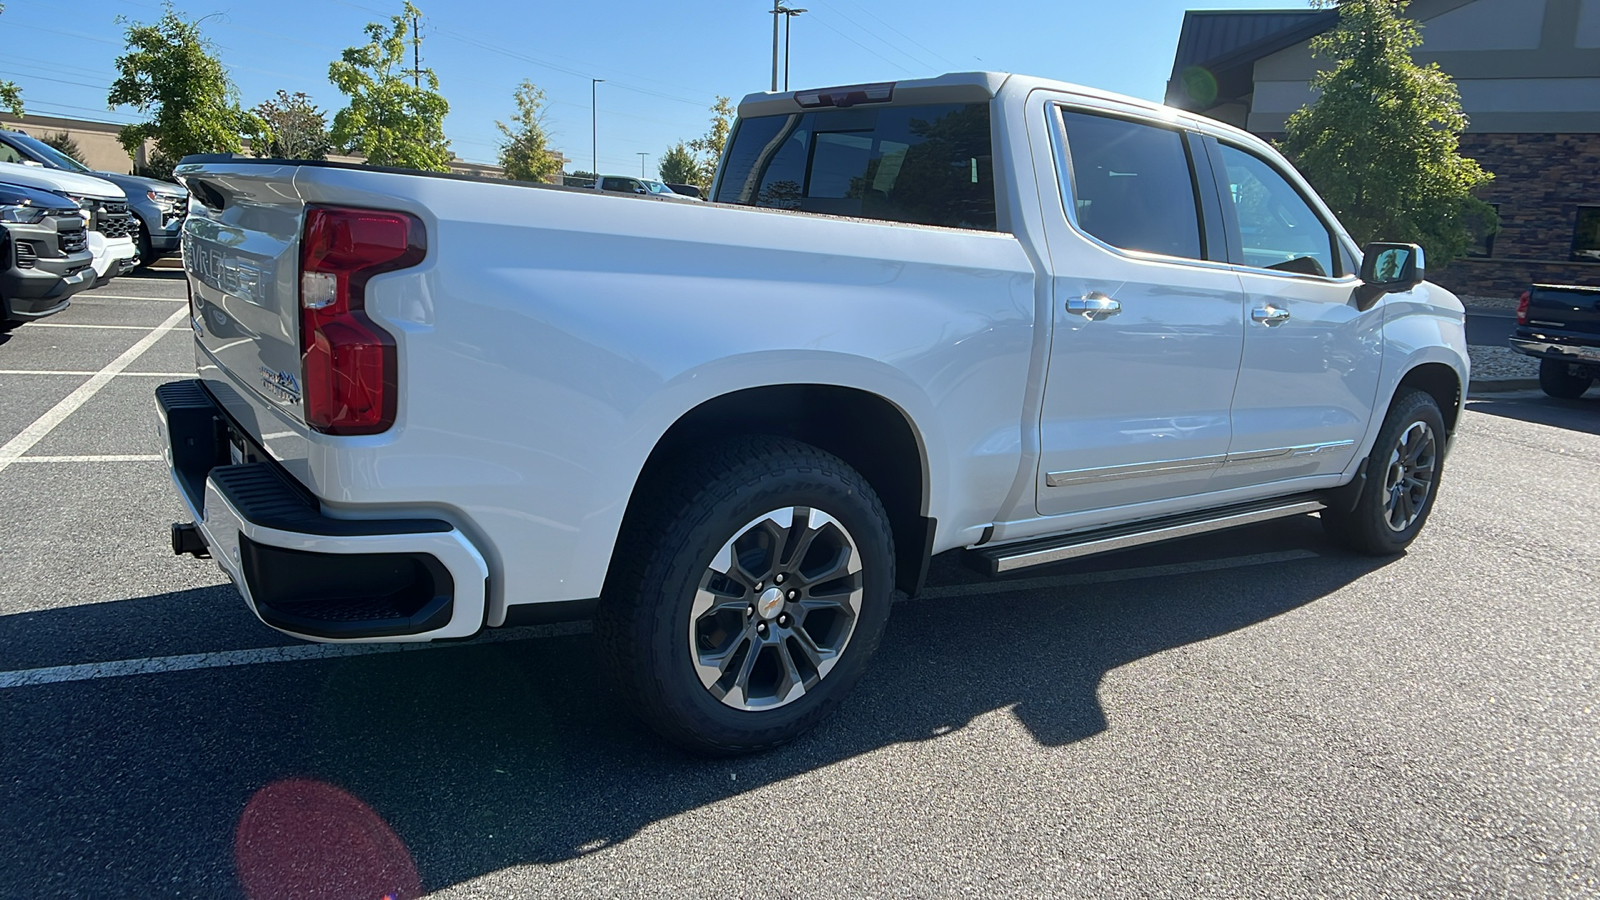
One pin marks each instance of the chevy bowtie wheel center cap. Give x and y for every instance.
(770, 603)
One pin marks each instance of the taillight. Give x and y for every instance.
(348, 365)
(1522, 307)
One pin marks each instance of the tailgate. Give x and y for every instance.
(241, 254)
(1571, 309)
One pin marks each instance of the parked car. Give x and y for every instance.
(160, 206)
(1560, 326)
(104, 208)
(996, 315)
(624, 184)
(44, 252)
(688, 190)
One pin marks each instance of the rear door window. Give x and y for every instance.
(1133, 185)
(930, 164)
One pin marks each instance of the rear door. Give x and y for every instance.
(1148, 318)
(1309, 376)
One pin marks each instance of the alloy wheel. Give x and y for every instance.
(776, 608)
(1412, 466)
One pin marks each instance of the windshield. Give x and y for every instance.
(48, 153)
(656, 187)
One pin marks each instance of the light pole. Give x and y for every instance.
(777, 10)
(594, 124)
(788, 16)
(642, 155)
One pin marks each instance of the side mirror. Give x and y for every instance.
(1388, 269)
(640, 190)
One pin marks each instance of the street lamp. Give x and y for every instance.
(594, 124)
(642, 155)
(788, 16)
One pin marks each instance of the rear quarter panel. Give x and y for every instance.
(551, 337)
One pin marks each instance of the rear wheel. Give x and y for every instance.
(1561, 379)
(1402, 479)
(748, 596)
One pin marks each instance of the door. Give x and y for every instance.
(1148, 320)
(1309, 377)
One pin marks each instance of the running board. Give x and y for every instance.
(1009, 557)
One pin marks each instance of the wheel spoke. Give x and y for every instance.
(814, 654)
(793, 685)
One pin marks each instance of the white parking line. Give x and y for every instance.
(151, 665)
(180, 313)
(154, 665)
(82, 298)
(82, 372)
(57, 414)
(103, 457)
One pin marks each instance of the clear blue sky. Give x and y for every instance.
(664, 63)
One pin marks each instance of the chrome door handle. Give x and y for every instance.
(1094, 306)
(1270, 315)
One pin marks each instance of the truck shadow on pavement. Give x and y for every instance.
(484, 756)
(1581, 415)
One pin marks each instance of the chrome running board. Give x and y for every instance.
(1004, 558)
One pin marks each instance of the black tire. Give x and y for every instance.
(147, 253)
(1557, 379)
(1388, 515)
(665, 560)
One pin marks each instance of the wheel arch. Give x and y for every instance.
(872, 434)
(1441, 382)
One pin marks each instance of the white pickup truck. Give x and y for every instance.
(982, 313)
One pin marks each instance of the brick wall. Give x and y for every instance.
(1540, 181)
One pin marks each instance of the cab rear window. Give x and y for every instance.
(928, 165)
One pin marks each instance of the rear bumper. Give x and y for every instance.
(305, 573)
(1545, 348)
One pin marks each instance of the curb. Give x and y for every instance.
(1501, 385)
(167, 262)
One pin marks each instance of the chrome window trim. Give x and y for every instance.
(1238, 458)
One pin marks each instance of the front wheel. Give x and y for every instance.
(748, 595)
(1557, 379)
(1402, 479)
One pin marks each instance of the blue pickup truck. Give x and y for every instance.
(1560, 324)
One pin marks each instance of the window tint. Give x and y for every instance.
(624, 185)
(1131, 185)
(1277, 228)
(930, 165)
(1586, 234)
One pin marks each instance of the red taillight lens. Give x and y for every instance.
(1522, 307)
(348, 364)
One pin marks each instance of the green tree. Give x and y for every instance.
(711, 144)
(524, 144)
(10, 94)
(171, 73)
(1380, 142)
(293, 128)
(679, 166)
(396, 115)
(63, 141)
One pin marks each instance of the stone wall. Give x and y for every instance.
(1540, 181)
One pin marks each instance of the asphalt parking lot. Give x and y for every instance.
(1248, 714)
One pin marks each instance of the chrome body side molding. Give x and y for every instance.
(1169, 466)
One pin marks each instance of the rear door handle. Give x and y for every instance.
(1094, 306)
(1270, 315)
